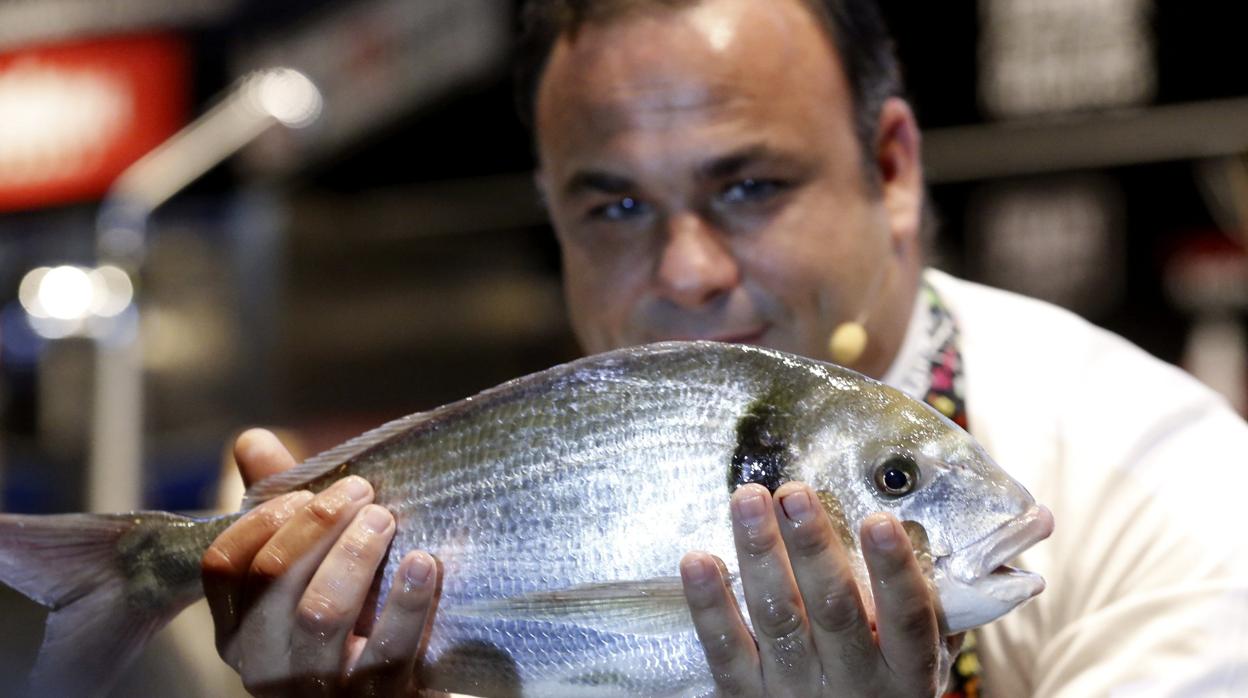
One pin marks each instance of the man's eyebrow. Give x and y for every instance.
(596, 181)
(732, 163)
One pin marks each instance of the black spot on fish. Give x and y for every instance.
(762, 454)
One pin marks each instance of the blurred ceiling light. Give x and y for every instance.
(28, 291)
(58, 300)
(52, 328)
(288, 96)
(65, 293)
(111, 291)
(259, 101)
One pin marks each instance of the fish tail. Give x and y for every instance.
(110, 582)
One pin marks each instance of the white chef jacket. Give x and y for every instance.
(1146, 473)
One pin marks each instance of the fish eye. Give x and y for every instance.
(897, 477)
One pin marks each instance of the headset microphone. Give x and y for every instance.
(848, 342)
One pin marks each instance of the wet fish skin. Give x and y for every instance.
(559, 505)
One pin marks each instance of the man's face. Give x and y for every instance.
(705, 182)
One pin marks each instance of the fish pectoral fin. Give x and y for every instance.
(641, 607)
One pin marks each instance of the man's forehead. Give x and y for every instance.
(651, 107)
(672, 63)
(650, 71)
(715, 41)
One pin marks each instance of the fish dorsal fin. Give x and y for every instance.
(326, 461)
(639, 607)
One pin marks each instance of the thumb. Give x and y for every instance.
(260, 454)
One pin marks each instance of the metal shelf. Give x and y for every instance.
(1154, 134)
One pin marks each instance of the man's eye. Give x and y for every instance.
(624, 209)
(751, 191)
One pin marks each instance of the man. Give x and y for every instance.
(746, 171)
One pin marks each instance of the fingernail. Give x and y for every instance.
(696, 571)
(796, 505)
(419, 567)
(751, 508)
(882, 534)
(375, 519)
(356, 488)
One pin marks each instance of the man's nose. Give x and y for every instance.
(695, 264)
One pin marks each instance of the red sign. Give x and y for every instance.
(74, 116)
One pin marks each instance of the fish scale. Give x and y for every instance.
(559, 506)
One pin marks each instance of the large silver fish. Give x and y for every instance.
(559, 505)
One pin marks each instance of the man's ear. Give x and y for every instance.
(900, 166)
(542, 186)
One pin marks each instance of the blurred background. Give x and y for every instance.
(357, 237)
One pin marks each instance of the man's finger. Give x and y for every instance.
(260, 454)
(226, 562)
(279, 575)
(386, 665)
(729, 648)
(905, 612)
(839, 623)
(307, 537)
(332, 601)
(785, 647)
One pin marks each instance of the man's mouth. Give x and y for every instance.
(746, 336)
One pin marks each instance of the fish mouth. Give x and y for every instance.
(975, 584)
(984, 560)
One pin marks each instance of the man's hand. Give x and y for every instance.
(288, 581)
(813, 633)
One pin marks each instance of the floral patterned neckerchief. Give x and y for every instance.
(931, 371)
(935, 376)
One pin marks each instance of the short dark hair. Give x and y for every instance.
(855, 27)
